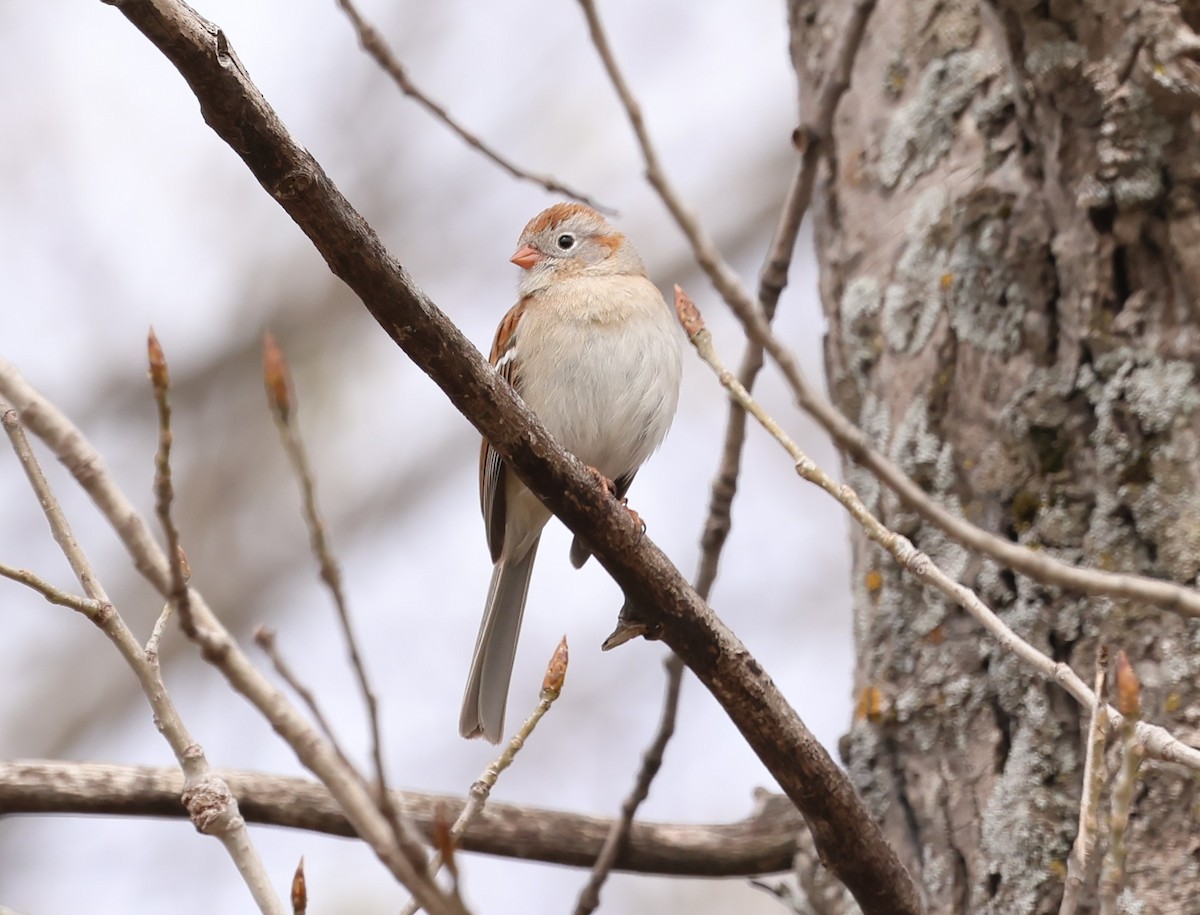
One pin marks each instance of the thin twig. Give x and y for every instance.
(1112, 875)
(60, 529)
(702, 244)
(771, 284)
(481, 788)
(211, 805)
(156, 634)
(1089, 801)
(374, 44)
(164, 490)
(282, 399)
(589, 898)
(772, 281)
(1038, 566)
(264, 638)
(1155, 740)
(812, 137)
(217, 647)
(85, 605)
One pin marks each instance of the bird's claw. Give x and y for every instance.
(610, 489)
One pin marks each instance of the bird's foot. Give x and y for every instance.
(609, 488)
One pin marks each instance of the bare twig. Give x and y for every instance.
(282, 400)
(1112, 875)
(481, 788)
(264, 638)
(217, 647)
(771, 285)
(1038, 565)
(164, 491)
(589, 898)
(762, 843)
(1089, 801)
(210, 804)
(156, 634)
(59, 528)
(374, 44)
(849, 438)
(1157, 741)
(705, 250)
(85, 605)
(772, 281)
(812, 137)
(552, 684)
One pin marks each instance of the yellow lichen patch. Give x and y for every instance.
(870, 705)
(874, 582)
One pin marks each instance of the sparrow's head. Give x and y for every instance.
(570, 239)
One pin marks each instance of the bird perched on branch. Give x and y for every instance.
(592, 348)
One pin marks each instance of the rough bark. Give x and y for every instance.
(1010, 248)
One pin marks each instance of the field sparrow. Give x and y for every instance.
(593, 350)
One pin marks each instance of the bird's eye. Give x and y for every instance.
(565, 242)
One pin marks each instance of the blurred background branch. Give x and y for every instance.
(764, 842)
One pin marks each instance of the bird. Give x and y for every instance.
(593, 349)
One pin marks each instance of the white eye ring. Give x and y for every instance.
(565, 242)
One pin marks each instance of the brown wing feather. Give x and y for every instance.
(492, 472)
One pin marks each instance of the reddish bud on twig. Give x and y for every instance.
(556, 670)
(443, 840)
(689, 314)
(160, 377)
(275, 377)
(1129, 690)
(299, 890)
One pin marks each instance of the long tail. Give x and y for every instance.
(491, 668)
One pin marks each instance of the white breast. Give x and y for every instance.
(602, 374)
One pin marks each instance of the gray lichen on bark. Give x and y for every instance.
(1010, 250)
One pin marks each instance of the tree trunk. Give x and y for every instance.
(1010, 249)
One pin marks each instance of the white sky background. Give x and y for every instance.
(120, 209)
